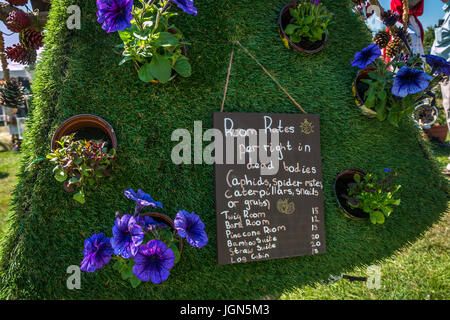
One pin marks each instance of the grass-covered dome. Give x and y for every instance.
(79, 73)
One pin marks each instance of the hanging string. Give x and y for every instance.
(265, 71)
(228, 79)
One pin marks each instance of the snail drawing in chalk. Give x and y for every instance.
(286, 207)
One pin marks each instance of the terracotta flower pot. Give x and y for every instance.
(160, 217)
(91, 124)
(341, 185)
(438, 131)
(305, 46)
(359, 88)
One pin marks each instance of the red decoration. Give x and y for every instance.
(21, 55)
(17, 2)
(416, 11)
(31, 39)
(17, 20)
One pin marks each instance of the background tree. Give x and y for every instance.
(428, 39)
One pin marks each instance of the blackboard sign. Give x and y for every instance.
(269, 193)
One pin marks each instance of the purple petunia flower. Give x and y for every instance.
(142, 199)
(438, 64)
(114, 14)
(153, 261)
(189, 226)
(148, 223)
(409, 81)
(127, 236)
(186, 5)
(366, 56)
(97, 252)
(316, 2)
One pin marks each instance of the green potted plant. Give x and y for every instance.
(88, 127)
(80, 163)
(155, 47)
(373, 194)
(341, 185)
(303, 25)
(426, 114)
(144, 246)
(391, 90)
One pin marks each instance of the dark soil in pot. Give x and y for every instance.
(311, 46)
(361, 89)
(160, 217)
(341, 185)
(360, 86)
(88, 127)
(91, 133)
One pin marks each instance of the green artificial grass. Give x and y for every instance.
(418, 272)
(79, 74)
(8, 170)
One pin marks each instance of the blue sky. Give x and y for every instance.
(431, 14)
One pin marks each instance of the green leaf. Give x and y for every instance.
(73, 180)
(79, 196)
(140, 35)
(376, 217)
(117, 265)
(125, 59)
(60, 175)
(145, 74)
(393, 118)
(160, 68)
(125, 35)
(147, 24)
(176, 252)
(183, 67)
(290, 28)
(386, 211)
(165, 39)
(357, 178)
(381, 112)
(134, 281)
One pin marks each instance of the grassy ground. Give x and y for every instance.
(8, 168)
(420, 271)
(79, 74)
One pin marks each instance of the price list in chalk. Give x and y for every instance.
(269, 193)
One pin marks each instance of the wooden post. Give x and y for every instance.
(3, 58)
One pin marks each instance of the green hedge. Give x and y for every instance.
(79, 74)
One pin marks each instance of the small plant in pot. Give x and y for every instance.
(144, 248)
(303, 24)
(155, 47)
(426, 113)
(390, 90)
(373, 194)
(80, 163)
